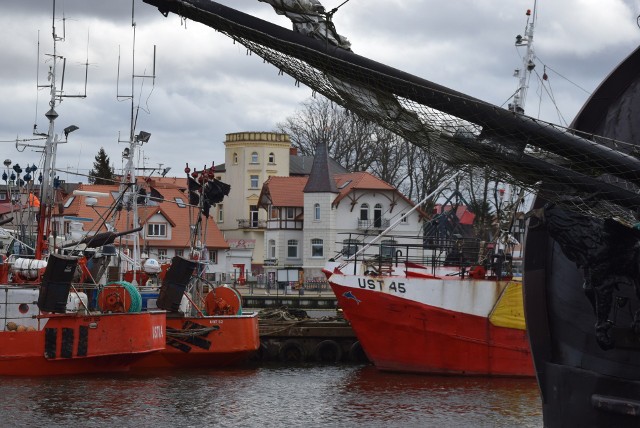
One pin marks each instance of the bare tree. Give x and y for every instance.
(360, 145)
(347, 136)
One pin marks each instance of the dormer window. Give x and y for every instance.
(156, 230)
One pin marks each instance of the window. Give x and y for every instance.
(253, 215)
(317, 249)
(254, 157)
(180, 202)
(272, 158)
(387, 250)
(3, 197)
(180, 253)
(349, 247)
(213, 257)
(235, 158)
(254, 181)
(69, 201)
(220, 214)
(274, 213)
(162, 254)
(292, 249)
(156, 229)
(345, 184)
(364, 212)
(272, 249)
(377, 216)
(290, 213)
(404, 217)
(316, 211)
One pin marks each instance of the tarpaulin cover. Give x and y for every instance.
(509, 311)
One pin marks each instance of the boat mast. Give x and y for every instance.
(527, 62)
(47, 194)
(128, 185)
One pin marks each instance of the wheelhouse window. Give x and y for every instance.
(387, 249)
(349, 247)
(316, 212)
(292, 249)
(317, 248)
(157, 229)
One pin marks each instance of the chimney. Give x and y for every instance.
(293, 151)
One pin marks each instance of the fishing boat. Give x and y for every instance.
(47, 326)
(581, 246)
(441, 306)
(442, 302)
(206, 324)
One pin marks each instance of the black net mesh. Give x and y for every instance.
(596, 176)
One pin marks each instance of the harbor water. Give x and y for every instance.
(270, 396)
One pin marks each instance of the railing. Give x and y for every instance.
(431, 253)
(382, 223)
(252, 224)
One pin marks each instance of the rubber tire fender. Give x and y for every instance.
(328, 352)
(357, 353)
(291, 351)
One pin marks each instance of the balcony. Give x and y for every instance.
(381, 223)
(288, 224)
(252, 224)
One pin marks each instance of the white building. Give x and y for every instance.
(310, 219)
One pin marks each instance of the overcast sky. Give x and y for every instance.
(207, 87)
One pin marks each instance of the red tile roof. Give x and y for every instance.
(179, 218)
(288, 191)
(462, 212)
(283, 192)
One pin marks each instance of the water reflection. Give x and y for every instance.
(443, 401)
(270, 396)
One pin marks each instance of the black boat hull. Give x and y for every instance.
(583, 385)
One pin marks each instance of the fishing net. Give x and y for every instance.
(591, 174)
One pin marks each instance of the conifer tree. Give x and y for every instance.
(102, 172)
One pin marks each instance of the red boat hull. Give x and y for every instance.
(205, 342)
(77, 344)
(407, 336)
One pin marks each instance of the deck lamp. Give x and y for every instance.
(69, 129)
(143, 137)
